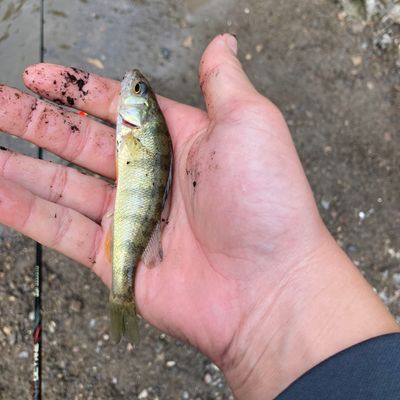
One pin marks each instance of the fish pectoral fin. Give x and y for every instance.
(153, 253)
(108, 245)
(134, 145)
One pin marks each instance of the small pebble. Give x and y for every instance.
(383, 296)
(393, 253)
(341, 15)
(52, 326)
(246, 10)
(248, 56)
(185, 395)
(170, 363)
(384, 42)
(188, 42)
(325, 204)
(7, 330)
(207, 378)
(76, 305)
(214, 367)
(356, 60)
(114, 380)
(259, 47)
(95, 62)
(23, 354)
(143, 394)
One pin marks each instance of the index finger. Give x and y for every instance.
(75, 88)
(99, 96)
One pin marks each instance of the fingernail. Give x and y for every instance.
(231, 42)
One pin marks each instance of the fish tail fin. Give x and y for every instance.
(124, 321)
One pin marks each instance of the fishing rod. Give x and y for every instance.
(37, 325)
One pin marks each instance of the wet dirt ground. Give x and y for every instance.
(340, 93)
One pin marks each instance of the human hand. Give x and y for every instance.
(241, 277)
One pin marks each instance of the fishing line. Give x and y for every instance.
(37, 325)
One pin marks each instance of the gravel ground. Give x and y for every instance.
(335, 77)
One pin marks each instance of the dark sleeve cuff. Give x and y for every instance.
(367, 371)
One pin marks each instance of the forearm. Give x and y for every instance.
(335, 309)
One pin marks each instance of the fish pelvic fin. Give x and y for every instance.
(123, 321)
(108, 245)
(153, 253)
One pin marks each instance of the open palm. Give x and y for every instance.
(241, 207)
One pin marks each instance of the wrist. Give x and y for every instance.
(321, 307)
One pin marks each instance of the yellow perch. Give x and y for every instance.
(144, 172)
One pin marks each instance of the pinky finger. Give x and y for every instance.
(53, 225)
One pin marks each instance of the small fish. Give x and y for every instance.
(144, 172)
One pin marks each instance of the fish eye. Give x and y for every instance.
(140, 88)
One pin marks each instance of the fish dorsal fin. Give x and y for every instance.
(153, 253)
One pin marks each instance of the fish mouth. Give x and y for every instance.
(128, 124)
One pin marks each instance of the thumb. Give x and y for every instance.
(222, 79)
